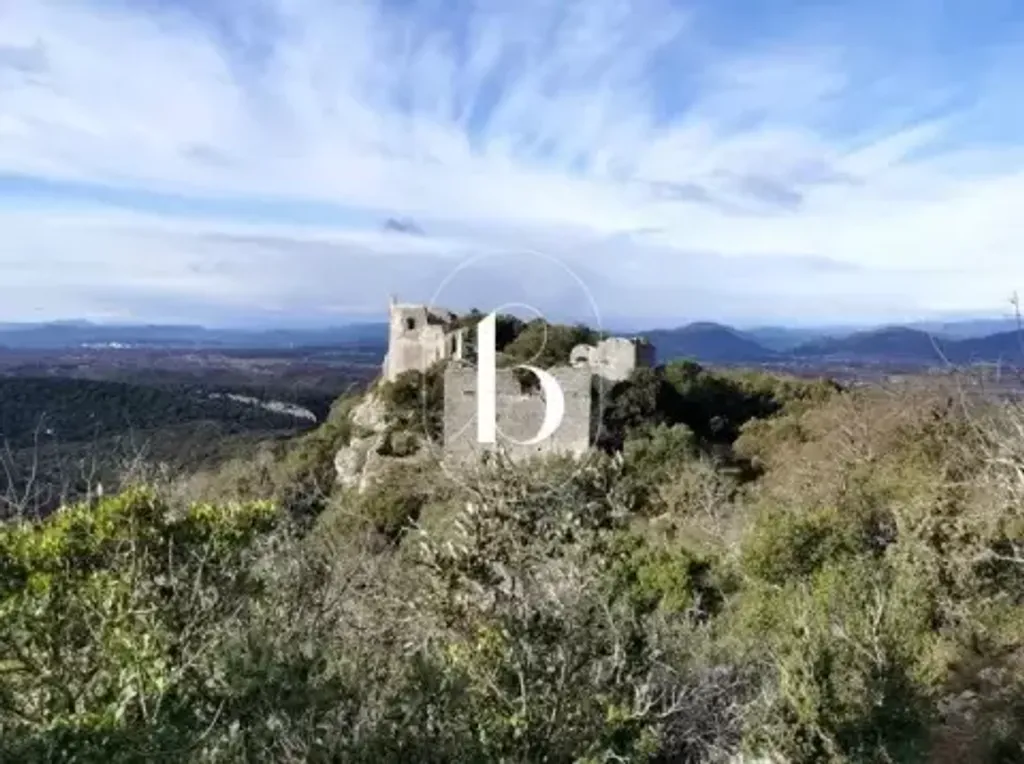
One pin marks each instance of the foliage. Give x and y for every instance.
(34, 410)
(859, 597)
(651, 577)
(506, 329)
(389, 506)
(714, 405)
(414, 402)
(852, 648)
(544, 345)
(104, 616)
(560, 665)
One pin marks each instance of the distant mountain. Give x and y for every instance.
(894, 343)
(716, 343)
(1004, 346)
(900, 344)
(708, 342)
(702, 341)
(65, 335)
(782, 338)
(961, 330)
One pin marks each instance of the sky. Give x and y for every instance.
(648, 161)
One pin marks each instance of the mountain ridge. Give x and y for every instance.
(705, 341)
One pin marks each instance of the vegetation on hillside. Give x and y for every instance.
(70, 410)
(60, 438)
(751, 564)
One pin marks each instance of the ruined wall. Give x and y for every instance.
(613, 359)
(417, 338)
(519, 414)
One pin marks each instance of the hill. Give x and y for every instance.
(968, 329)
(894, 343)
(794, 597)
(781, 339)
(1004, 346)
(900, 344)
(719, 344)
(709, 343)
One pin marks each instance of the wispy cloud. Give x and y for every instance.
(691, 160)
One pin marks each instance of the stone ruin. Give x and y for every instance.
(419, 336)
(519, 413)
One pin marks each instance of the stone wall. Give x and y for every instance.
(519, 414)
(418, 337)
(613, 359)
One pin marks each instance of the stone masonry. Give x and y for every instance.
(613, 359)
(418, 336)
(519, 414)
(591, 370)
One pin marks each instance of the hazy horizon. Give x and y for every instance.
(623, 324)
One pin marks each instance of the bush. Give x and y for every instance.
(857, 663)
(545, 345)
(674, 580)
(414, 402)
(784, 546)
(108, 616)
(393, 502)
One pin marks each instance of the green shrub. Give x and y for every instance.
(541, 344)
(101, 608)
(859, 600)
(857, 664)
(783, 545)
(400, 443)
(415, 401)
(393, 503)
(674, 580)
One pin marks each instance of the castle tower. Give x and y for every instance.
(418, 337)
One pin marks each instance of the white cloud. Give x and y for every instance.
(571, 127)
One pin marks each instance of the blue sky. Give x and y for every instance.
(654, 161)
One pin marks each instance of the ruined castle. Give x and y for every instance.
(420, 335)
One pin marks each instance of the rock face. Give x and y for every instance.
(359, 463)
(350, 462)
(369, 414)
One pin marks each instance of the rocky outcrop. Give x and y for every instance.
(350, 462)
(368, 432)
(371, 450)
